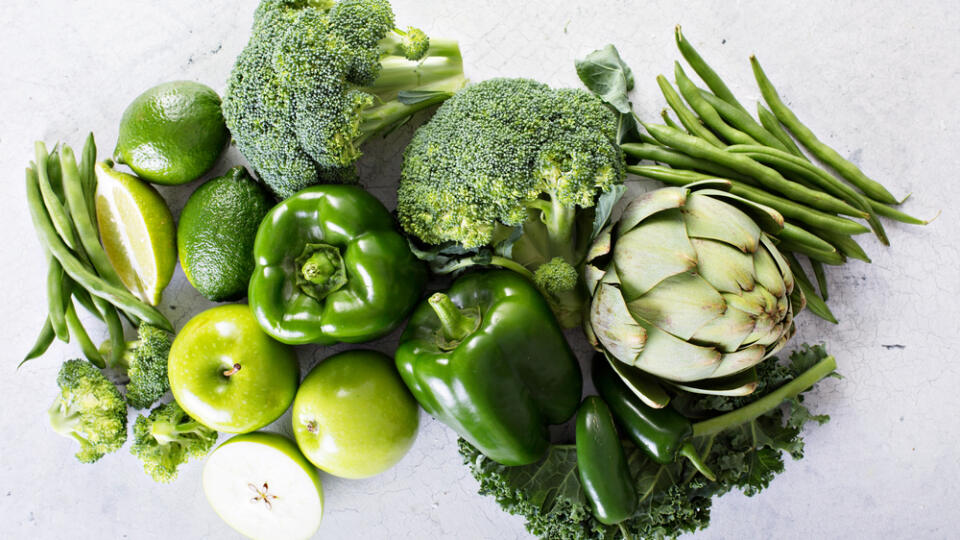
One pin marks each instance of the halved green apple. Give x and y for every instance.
(262, 486)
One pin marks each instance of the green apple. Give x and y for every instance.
(353, 417)
(262, 486)
(228, 373)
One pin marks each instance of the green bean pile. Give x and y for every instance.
(60, 194)
(715, 137)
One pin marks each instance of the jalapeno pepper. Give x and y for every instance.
(602, 465)
(664, 434)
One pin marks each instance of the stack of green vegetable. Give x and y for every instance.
(717, 138)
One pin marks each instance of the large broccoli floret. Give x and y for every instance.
(145, 363)
(89, 409)
(318, 78)
(509, 153)
(168, 437)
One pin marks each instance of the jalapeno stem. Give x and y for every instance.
(456, 325)
(688, 451)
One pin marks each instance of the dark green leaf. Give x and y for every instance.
(607, 76)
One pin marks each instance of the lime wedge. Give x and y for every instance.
(137, 232)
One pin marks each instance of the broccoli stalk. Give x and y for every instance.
(145, 363)
(167, 438)
(88, 409)
(318, 79)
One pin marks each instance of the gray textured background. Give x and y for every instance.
(878, 80)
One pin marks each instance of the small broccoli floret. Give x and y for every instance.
(319, 78)
(556, 276)
(511, 153)
(89, 409)
(167, 438)
(145, 363)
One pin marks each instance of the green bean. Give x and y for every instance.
(667, 119)
(799, 212)
(686, 116)
(810, 141)
(82, 275)
(42, 344)
(118, 342)
(785, 162)
(88, 175)
(73, 188)
(56, 300)
(844, 244)
(742, 120)
(821, 278)
(85, 300)
(883, 210)
(700, 66)
(768, 178)
(772, 125)
(707, 113)
(53, 204)
(834, 257)
(790, 231)
(679, 160)
(815, 304)
(83, 339)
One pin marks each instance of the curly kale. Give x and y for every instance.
(317, 79)
(742, 440)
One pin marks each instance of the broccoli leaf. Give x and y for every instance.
(674, 498)
(607, 76)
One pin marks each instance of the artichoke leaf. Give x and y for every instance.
(643, 385)
(613, 326)
(600, 246)
(728, 332)
(648, 204)
(740, 384)
(728, 269)
(782, 264)
(748, 302)
(672, 358)
(706, 217)
(767, 218)
(680, 305)
(592, 276)
(652, 252)
(768, 272)
(738, 361)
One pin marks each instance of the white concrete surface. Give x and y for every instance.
(878, 80)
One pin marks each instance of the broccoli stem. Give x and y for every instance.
(441, 69)
(768, 402)
(63, 421)
(169, 432)
(559, 219)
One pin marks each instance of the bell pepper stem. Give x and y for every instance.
(688, 451)
(321, 270)
(456, 325)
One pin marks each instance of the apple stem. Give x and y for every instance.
(232, 371)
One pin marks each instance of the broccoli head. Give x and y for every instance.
(317, 79)
(519, 168)
(500, 148)
(145, 363)
(168, 437)
(89, 409)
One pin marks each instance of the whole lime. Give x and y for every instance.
(216, 232)
(172, 133)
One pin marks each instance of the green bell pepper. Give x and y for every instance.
(331, 267)
(489, 359)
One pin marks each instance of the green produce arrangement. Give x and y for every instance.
(508, 229)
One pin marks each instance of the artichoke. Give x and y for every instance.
(688, 290)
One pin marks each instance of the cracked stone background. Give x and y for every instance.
(877, 80)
